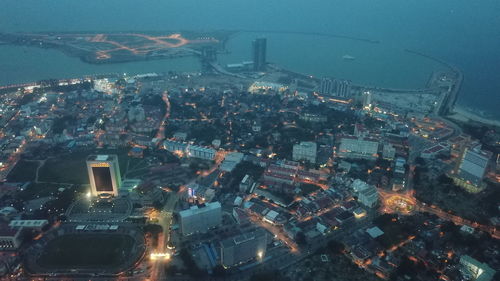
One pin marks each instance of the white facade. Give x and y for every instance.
(368, 197)
(190, 150)
(199, 219)
(358, 148)
(473, 165)
(367, 194)
(306, 150)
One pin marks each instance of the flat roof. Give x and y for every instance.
(242, 238)
(374, 232)
(102, 157)
(28, 223)
(196, 210)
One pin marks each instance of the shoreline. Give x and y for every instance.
(462, 114)
(449, 108)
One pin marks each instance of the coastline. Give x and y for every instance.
(462, 114)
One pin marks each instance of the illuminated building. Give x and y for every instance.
(367, 100)
(476, 270)
(306, 150)
(104, 174)
(259, 54)
(472, 168)
(200, 218)
(244, 247)
(189, 150)
(367, 194)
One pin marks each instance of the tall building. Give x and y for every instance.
(104, 174)
(244, 247)
(327, 86)
(259, 54)
(477, 270)
(368, 197)
(367, 194)
(473, 165)
(306, 150)
(343, 89)
(199, 219)
(335, 87)
(367, 100)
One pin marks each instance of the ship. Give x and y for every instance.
(348, 57)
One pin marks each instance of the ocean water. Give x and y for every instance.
(462, 32)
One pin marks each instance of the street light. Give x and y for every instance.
(260, 255)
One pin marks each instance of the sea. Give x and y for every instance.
(310, 37)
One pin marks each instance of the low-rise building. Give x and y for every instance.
(10, 238)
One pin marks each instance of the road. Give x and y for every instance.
(165, 220)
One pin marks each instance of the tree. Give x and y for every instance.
(300, 238)
(219, 271)
(336, 247)
(154, 229)
(267, 276)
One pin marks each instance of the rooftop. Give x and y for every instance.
(199, 209)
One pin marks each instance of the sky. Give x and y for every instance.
(463, 32)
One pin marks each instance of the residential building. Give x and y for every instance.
(353, 147)
(472, 168)
(306, 150)
(243, 247)
(368, 197)
(200, 218)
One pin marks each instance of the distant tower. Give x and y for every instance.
(208, 56)
(104, 174)
(343, 89)
(328, 86)
(259, 54)
(367, 100)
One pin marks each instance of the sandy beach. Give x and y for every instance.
(462, 114)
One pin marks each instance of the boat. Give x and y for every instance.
(348, 57)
